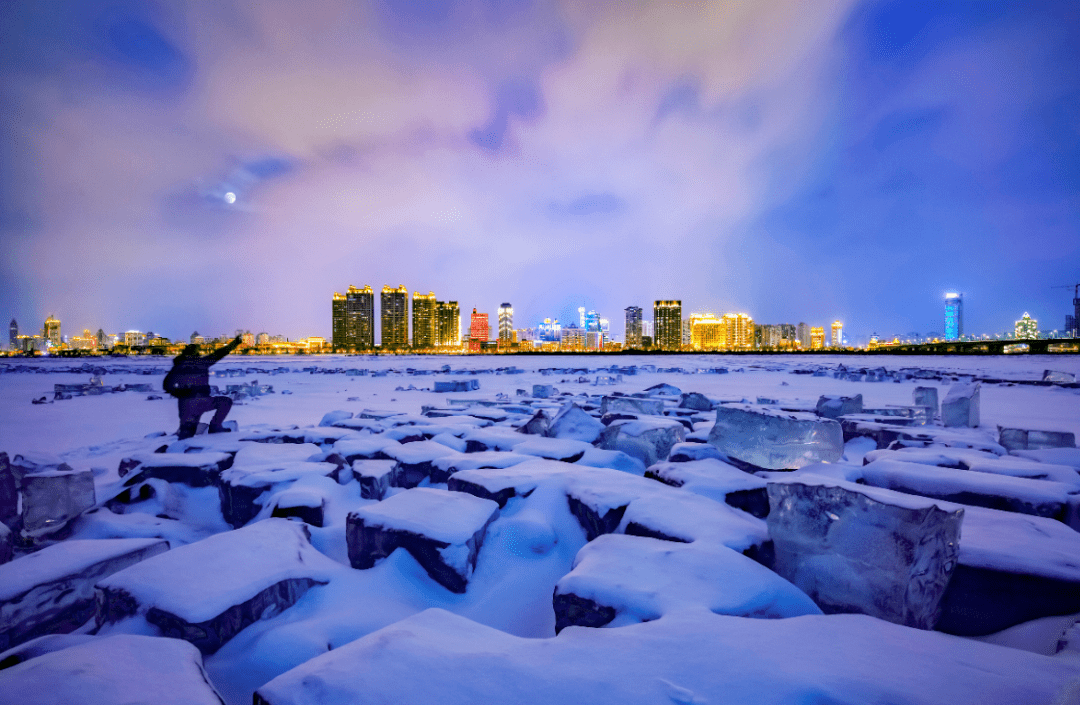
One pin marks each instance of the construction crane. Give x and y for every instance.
(1073, 329)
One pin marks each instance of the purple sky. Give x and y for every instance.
(854, 161)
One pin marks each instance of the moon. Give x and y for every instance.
(230, 198)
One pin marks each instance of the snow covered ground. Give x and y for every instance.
(543, 521)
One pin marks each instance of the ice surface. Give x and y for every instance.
(442, 530)
(564, 449)
(613, 459)
(648, 439)
(638, 579)
(1021, 439)
(52, 590)
(574, 423)
(684, 452)
(1058, 456)
(206, 592)
(689, 657)
(773, 439)
(543, 391)
(960, 407)
(1054, 500)
(834, 406)
(9, 493)
(51, 499)
(117, 670)
(858, 549)
(926, 396)
(332, 417)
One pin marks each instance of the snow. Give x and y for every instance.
(199, 581)
(117, 670)
(531, 545)
(449, 517)
(690, 657)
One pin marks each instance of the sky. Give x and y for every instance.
(211, 166)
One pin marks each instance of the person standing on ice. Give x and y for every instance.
(189, 382)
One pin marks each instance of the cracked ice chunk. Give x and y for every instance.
(831, 406)
(961, 405)
(24, 464)
(374, 477)
(191, 469)
(50, 499)
(242, 488)
(9, 492)
(863, 549)
(631, 405)
(415, 461)
(716, 480)
(1021, 439)
(687, 452)
(206, 592)
(332, 417)
(442, 530)
(543, 391)
(52, 591)
(114, 670)
(650, 440)
(696, 401)
(926, 396)
(7, 544)
(638, 579)
(774, 439)
(573, 422)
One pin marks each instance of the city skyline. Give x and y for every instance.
(190, 166)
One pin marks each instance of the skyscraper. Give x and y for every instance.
(707, 332)
(837, 334)
(1027, 328)
(13, 335)
(479, 331)
(802, 333)
(817, 338)
(667, 321)
(394, 312)
(449, 323)
(954, 316)
(633, 327)
(739, 331)
(353, 319)
(424, 320)
(506, 323)
(52, 331)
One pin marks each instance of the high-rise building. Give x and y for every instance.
(1070, 326)
(479, 331)
(339, 337)
(667, 320)
(684, 339)
(448, 318)
(425, 324)
(770, 337)
(1027, 328)
(262, 338)
(837, 334)
(13, 335)
(787, 335)
(573, 338)
(394, 312)
(817, 338)
(550, 331)
(739, 331)
(506, 323)
(134, 338)
(954, 316)
(802, 333)
(633, 327)
(707, 332)
(52, 332)
(353, 318)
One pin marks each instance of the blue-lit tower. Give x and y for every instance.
(954, 315)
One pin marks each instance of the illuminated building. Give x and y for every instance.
(1027, 328)
(573, 338)
(633, 326)
(134, 338)
(394, 312)
(594, 331)
(197, 339)
(316, 342)
(817, 338)
(449, 323)
(581, 316)
(506, 323)
(247, 338)
(479, 331)
(52, 332)
(787, 335)
(739, 331)
(707, 332)
(550, 331)
(667, 321)
(339, 336)
(353, 319)
(837, 334)
(802, 334)
(13, 335)
(954, 316)
(262, 339)
(425, 323)
(1070, 326)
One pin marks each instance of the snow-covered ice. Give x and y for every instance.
(694, 503)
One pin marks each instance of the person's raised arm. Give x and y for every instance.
(222, 352)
